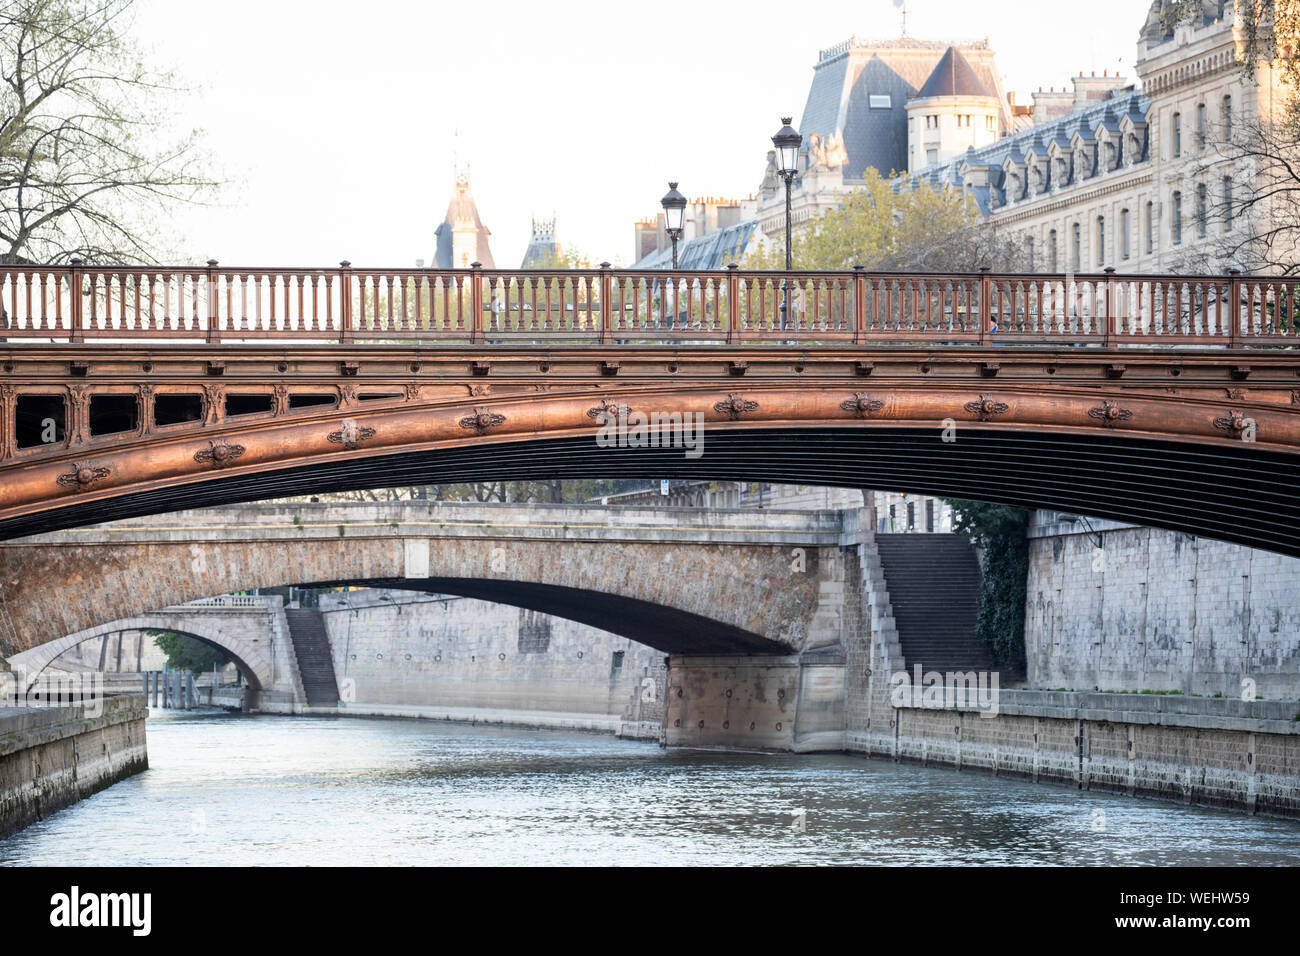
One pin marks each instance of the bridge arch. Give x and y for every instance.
(1197, 441)
(246, 650)
(770, 583)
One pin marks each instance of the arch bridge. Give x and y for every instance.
(680, 580)
(1172, 401)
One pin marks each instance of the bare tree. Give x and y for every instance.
(1254, 206)
(84, 168)
(1248, 192)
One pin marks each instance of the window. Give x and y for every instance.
(963, 121)
(1051, 252)
(988, 123)
(911, 516)
(929, 514)
(1101, 240)
(1200, 125)
(1178, 134)
(1151, 227)
(1202, 210)
(931, 156)
(1176, 221)
(932, 122)
(1077, 248)
(880, 101)
(1227, 203)
(1031, 253)
(1123, 234)
(1227, 117)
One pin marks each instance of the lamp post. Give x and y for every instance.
(674, 214)
(787, 143)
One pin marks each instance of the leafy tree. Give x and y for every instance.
(1001, 534)
(187, 653)
(897, 227)
(83, 168)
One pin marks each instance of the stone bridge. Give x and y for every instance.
(680, 580)
(247, 628)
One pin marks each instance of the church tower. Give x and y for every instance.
(462, 239)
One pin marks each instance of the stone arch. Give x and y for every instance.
(682, 597)
(253, 661)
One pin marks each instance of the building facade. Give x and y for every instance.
(856, 118)
(1138, 181)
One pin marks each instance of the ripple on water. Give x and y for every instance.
(234, 790)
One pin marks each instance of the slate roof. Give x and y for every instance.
(838, 101)
(1107, 113)
(953, 76)
(716, 250)
(460, 208)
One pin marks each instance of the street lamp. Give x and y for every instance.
(787, 143)
(674, 215)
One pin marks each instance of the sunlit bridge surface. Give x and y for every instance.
(272, 790)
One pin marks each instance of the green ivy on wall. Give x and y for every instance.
(1001, 532)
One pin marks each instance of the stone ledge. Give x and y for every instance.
(1148, 718)
(1154, 703)
(22, 728)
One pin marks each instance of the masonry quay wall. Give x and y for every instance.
(51, 757)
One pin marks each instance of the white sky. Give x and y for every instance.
(336, 121)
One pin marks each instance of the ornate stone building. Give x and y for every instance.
(857, 118)
(1138, 181)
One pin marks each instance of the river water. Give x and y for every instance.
(227, 789)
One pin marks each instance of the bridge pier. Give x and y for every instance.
(757, 702)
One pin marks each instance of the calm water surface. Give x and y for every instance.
(225, 789)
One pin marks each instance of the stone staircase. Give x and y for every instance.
(315, 660)
(934, 590)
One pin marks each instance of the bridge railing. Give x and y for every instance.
(78, 303)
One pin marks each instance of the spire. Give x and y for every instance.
(462, 238)
(953, 76)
